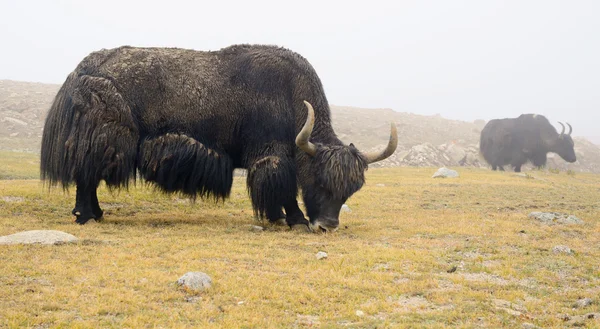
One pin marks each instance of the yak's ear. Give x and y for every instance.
(352, 145)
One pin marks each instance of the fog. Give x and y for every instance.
(465, 60)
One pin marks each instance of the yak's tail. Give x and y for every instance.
(89, 135)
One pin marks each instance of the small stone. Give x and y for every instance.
(584, 302)
(196, 281)
(360, 313)
(380, 185)
(256, 228)
(445, 173)
(452, 269)
(345, 208)
(552, 218)
(38, 236)
(527, 325)
(562, 250)
(321, 255)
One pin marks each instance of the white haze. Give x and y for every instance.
(465, 60)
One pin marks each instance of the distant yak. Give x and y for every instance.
(529, 137)
(184, 119)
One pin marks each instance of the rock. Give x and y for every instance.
(345, 208)
(360, 313)
(256, 228)
(455, 153)
(445, 173)
(38, 236)
(14, 135)
(308, 321)
(562, 250)
(321, 255)
(551, 218)
(580, 320)
(16, 121)
(196, 281)
(584, 302)
(380, 185)
(527, 325)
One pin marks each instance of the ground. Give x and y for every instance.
(413, 252)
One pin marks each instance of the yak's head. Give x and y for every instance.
(333, 173)
(564, 145)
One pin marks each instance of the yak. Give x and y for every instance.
(183, 120)
(515, 141)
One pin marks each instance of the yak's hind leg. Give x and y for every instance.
(272, 185)
(86, 204)
(89, 136)
(179, 163)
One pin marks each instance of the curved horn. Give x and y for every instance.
(570, 129)
(563, 128)
(389, 150)
(304, 134)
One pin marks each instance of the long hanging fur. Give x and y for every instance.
(271, 183)
(178, 163)
(89, 135)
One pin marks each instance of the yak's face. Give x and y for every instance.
(332, 173)
(336, 173)
(565, 147)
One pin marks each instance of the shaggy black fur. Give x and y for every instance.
(178, 163)
(529, 137)
(271, 184)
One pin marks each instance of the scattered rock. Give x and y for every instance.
(452, 269)
(12, 199)
(527, 325)
(445, 173)
(584, 302)
(193, 299)
(256, 228)
(380, 185)
(360, 313)
(562, 250)
(15, 121)
(38, 236)
(551, 218)
(345, 208)
(321, 255)
(308, 320)
(580, 320)
(196, 281)
(508, 307)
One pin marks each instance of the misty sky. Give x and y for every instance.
(462, 59)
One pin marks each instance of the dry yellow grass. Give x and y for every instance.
(389, 260)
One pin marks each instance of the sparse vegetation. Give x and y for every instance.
(414, 252)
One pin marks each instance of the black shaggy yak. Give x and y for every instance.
(185, 119)
(529, 137)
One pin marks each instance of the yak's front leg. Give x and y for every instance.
(272, 185)
(295, 217)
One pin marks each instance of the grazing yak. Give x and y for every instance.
(530, 137)
(184, 119)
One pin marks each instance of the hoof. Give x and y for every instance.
(300, 228)
(85, 220)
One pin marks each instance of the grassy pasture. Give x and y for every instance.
(414, 252)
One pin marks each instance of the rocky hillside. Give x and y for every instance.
(434, 141)
(424, 140)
